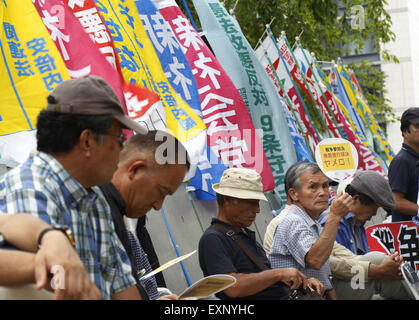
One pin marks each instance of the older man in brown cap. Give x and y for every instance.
(229, 247)
(79, 137)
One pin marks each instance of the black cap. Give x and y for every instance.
(409, 116)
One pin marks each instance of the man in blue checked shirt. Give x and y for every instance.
(79, 138)
(299, 240)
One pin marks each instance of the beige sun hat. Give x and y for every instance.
(240, 183)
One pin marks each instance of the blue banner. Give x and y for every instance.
(177, 70)
(303, 154)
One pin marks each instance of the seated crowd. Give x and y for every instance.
(65, 206)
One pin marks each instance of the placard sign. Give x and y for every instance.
(337, 158)
(402, 237)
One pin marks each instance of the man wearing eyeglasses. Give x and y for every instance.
(79, 138)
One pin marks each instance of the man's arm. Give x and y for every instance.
(16, 267)
(403, 205)
(130, 293)
(342, 262)
(251, 283)
(22, 231)
(320, 251)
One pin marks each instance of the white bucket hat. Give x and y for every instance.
(240, 183)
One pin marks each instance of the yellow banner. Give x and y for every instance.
(140, 65)
(30, 66)
(365, 112)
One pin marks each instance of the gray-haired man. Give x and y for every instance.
(238, 195)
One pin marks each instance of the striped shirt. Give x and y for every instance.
(41, 186)
(294, 236)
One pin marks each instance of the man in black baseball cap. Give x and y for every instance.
(403, 172)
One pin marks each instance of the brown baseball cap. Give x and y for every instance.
(90, 95)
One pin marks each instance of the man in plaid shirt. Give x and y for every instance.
(79, 137)
(299, 240)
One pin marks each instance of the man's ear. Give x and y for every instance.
(293, 194)
(85, 142)
(134, 166)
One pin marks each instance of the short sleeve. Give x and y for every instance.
(214, 257)
(398, 175)
(296, 239)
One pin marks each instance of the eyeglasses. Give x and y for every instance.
(121, 138)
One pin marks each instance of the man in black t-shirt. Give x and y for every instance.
(141, 182)
(403, 172)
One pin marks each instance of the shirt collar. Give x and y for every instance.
(77, 191)
(349, 216)
(410, 150)
(112, 194)
(307, 219)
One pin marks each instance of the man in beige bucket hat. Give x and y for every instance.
(238, 194)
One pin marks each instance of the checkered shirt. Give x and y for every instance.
(42, 187)
(294, 236)
(142, 262)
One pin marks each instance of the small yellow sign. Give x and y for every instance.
(337, 157)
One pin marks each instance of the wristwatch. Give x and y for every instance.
(64, 229)
(2, 241)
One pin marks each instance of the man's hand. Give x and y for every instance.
(71, 280)
(341, 205)
(389, 268)
(316, 285)
(168, 297)
(292, 278)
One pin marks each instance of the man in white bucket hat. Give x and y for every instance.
(238, 194)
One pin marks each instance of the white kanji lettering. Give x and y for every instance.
(212, 120)
(187, 33)
(231, 151)
(180, 77)
(164, 33)
(72, 3)
(135, 107)
(93, 25)
(150, 32)
(207, 70)
(56, 35)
